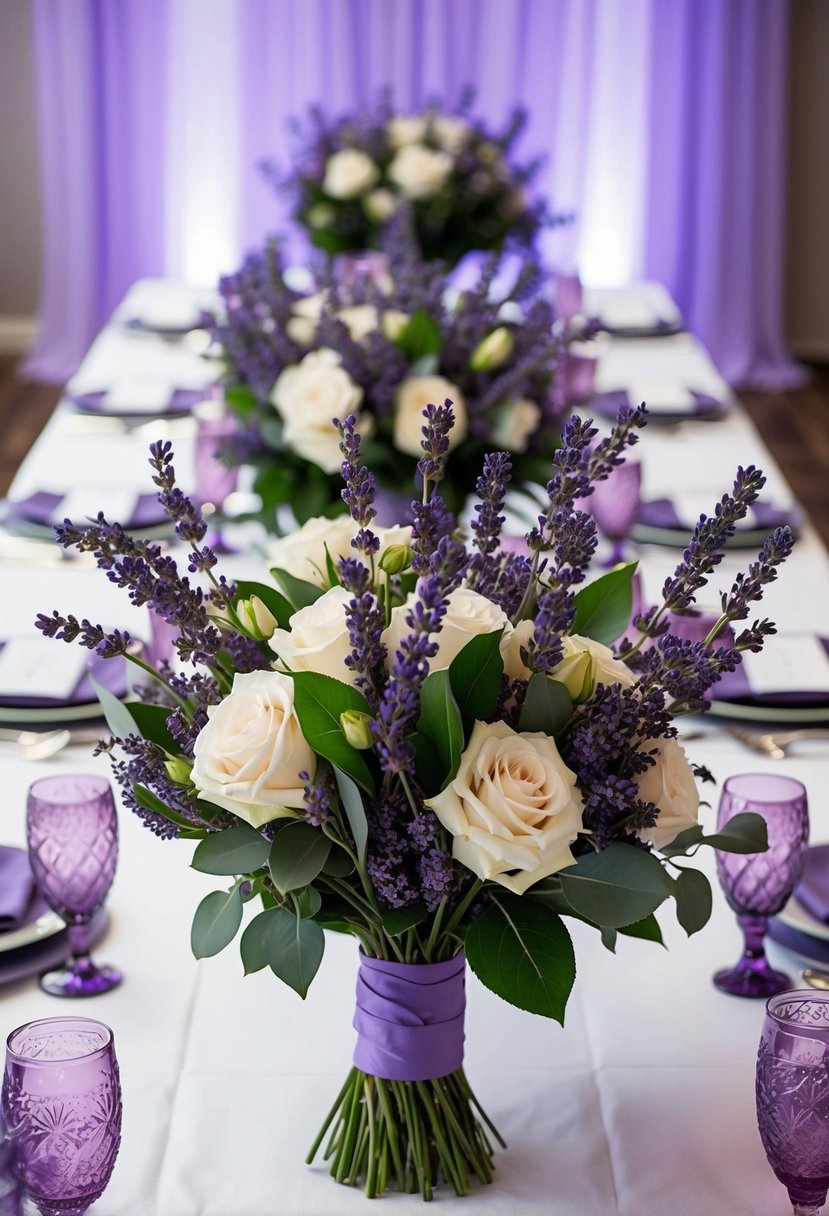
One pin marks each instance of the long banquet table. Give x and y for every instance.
(643, 1104)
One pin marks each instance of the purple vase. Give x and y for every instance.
(757, 885)
(793, 1095)
(61, 1103)
(72, 832)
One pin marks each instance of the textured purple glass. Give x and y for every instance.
(614, 504)
(409, 1018)
(567, 296)
(73, 847)
(793, 1095)
(578, 372)
(61, 1104)
(757, 885)
(214, 479)
(360, 266)
(695, 626)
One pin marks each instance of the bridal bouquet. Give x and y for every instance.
(458, 179)
(433, 747)
(382, 347)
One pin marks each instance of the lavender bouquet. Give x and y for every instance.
(381, 347)
(435, 748)
(459, 180)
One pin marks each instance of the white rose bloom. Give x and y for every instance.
(468, 614)
(452, 133)
(310, 306)
(317, 639)
(513, 663)
(513, 809)
(348, 173)
(360, 320)
(248, 756)
(670, 785)
(420, 172)
(302, 553)
(393, 323)
(301, 330)
(515, 422)
(411, 399)
(380, 204)
(405, 129)
(308, 395)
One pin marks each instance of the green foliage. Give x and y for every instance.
(398, 920)
(319, 700)
(237, 850)
(440, 722)
(475, 676)
(151, 802)
(297, 593)
(617, 887)
(692, 892)
(352, 804)
(547, 706)
(420, 338)
(276, 603)
(744, 833)
(603, 607)
(291, 946)
(216, 922)
(297, 855)
(118, 718)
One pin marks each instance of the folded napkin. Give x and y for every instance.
(682, 513)
(49, 507)
(793, 674)
(813, 889)
(17, 886)
(681, 404)
(31, 666)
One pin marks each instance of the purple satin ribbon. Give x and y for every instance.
(409, 1018)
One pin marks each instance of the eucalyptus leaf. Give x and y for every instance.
(427, 763)
(151, 802)
(744, 833)
(440, 721)
(647, 929)
(692, 892)
(609, 937)
(319, 701)
(118, 718)
(521, 951)
(603, 607)
(310, 902)
(617, 887)
(255, 945)
(295, 949)
(297, 855)
(475, 677)
(216, 922)
(237, 850)
(352, 803)
(338, 864)
(547, 706)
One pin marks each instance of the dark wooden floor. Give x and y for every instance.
(795, 426)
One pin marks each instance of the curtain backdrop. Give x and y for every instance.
(663, 122)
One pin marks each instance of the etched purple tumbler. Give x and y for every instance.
(614, 504)
(757, 885)
(793, 1095)
(61, 1102)
(72, 832)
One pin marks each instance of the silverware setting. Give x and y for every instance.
(815, 978)
(774, 744)
(40, 745)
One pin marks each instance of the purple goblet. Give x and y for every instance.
(215, 479)
(61, 1103)
(355, 269)
(757, 885)
(793, 1095)
(567, 296)
(614, 504)
(73, 847)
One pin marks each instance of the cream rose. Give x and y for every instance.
(309, 395)
(451, 133)
(405, 129)
(468, 615)
(670, 785)
(393, 323)
(317, 639)
(420, 172)
(348, 173)
(360, 320)
(584, 664)
(515, 422)
(302, 553)
(513, 810)
(412, 397)
(380, 205)
(248, 757)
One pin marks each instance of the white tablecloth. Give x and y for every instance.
(643, 1104)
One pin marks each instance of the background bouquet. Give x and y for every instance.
(456, 177)
(381, 346)
(435, 749)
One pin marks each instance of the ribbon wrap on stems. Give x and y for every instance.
(409, 1018)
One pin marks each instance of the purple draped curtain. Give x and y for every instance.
(663, 122)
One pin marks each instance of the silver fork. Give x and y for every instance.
(774, 744)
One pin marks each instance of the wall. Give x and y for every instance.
(807, 294)
(19, 179)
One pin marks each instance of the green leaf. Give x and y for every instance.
(151, 802)
(475, 676)
(352, 804)
(685, 841)
(241, 399)
(119, 719)
(310, 902)
(647, 929)
(151, 721)
(295, 949)
(603, 607)
(319, 700)
(338, 864)
(692, 892)
(609, 937)
(440, 721)
(744, 833)
(255, 946)
(616, 887)
(216, 922)
(427, 763)
(398, 920)
(237, 850)
(270, 597)
(420, 336)
(297, 592)
(547, 706)
(522, 952)
(297, 855)
(331, 570)
(426, 365)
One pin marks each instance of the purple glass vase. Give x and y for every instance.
(61, 1103)
(72, 832)
(793, 1095)
(757, 885)
(614, 504)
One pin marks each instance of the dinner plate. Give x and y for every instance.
(796, 917)
(810, 949)
(40, 922)
(795, 707)
(704, 409)
(181, 402)
(660, 522)
(660, 328)
(40, 512)
(41, 955)
(82, 705)
(200, 320)
(778, 715)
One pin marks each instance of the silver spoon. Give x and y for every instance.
(37, 745)
(816, 979)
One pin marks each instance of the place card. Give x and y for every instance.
(138, 396)
(117, 504)
(40, 667)
(790, 664)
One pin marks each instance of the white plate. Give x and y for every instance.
(796, 917)
(777, 714)
(54, 713)
(677, 538)
(46, 925)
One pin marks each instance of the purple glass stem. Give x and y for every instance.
(757, 885)
(61, 1103)
(792, 1092)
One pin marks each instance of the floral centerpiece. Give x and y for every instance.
(432, 747)
(459, 179)
(382, 350)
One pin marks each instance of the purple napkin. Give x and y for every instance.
(17, 886)
(734, 686)
(607, 405)
(662, 513)
(110, 673)
(43, 509)
(181, 401)
(813, 889)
